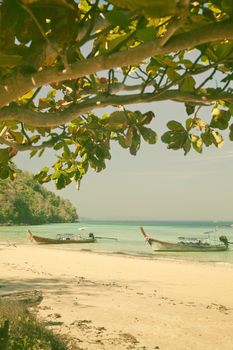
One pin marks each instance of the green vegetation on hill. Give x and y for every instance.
(24, 201)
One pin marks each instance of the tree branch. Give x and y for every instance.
(25, 147)
(39, 119)
(177, 23)
(16, 86)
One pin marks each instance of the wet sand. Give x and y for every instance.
(120, 302)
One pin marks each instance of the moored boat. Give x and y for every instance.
(187, 244)
(61, 239)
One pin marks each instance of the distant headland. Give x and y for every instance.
(24, 201)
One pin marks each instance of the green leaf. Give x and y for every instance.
(227, 6)
(121, 141)
(220, 119)
(33, 153)
(129, 137)
(223, 50)
(45, 102)
(189, 123)
(149, 135)
(217, 139)
(231, 109)
(41, 152)
(66, 149)
(25, 98)
(58, 145)
(166, 61)
(207, 138)
(175, 140)
(42, 177)
(119, 41)
(84, 5)
(167, 137)
(146, 34)
(52, 93)
(147, 118)
(196, 143)
(187, 85)
(153, 67)
(231, 133)
(4, 155)
(4, 171)
(60, 182)
(18, 137)
(35, 138)
(178, 141)
(187, 146)
(200, 124)
(118, 18)
(190, 109)
(136, 142)
(172, 74)
(9, 61)
(117, 121)
(174, 125)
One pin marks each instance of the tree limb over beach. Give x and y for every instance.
(60, 62)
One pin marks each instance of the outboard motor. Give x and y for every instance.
(224, 240)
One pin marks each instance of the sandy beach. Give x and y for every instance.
(120, 302)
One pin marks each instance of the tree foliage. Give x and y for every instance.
(62, 60)
(24, 201)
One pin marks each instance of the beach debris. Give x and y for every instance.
(82, 324)
(45, 307)
(30, 298)
(100, 329)
(127, 337)
(219, 307)
(11, 244)
(54, 323)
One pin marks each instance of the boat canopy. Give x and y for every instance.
(64, 235)
(192, 238)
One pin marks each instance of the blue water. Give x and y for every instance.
(129, 238)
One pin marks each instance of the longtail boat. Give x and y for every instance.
(187, 244)
(61, 239)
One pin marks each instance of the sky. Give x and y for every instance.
(157, 184)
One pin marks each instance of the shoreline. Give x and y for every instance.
(110, 302)
(153, 256)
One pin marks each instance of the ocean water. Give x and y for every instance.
(128, 238)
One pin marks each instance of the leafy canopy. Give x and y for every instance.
(94, 54)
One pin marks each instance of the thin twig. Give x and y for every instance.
(28, 10)
(26, 146)
(207, 79)
(197, 110)
(226, 85)
(91, 24)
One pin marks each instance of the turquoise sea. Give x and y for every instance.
(129, 238)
